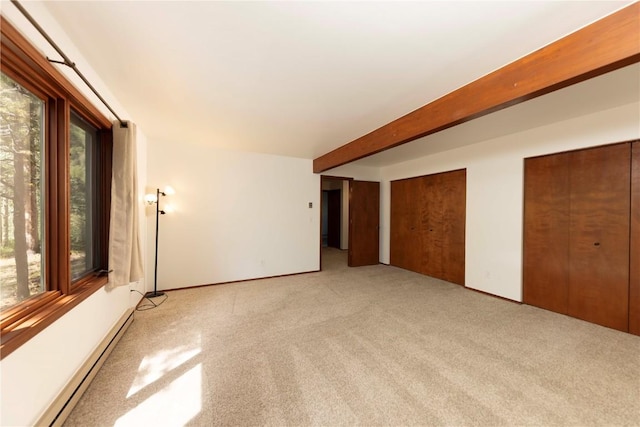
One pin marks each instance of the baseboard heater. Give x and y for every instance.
(59, 410)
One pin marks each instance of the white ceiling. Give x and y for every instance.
(302, 78)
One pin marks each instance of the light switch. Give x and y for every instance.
(310, 205)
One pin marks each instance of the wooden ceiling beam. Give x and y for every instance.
(606, 45)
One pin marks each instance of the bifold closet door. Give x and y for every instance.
(428, 193)
(403, 236)
(580, 242)
(453, 193)
(546, 232)
(599, 218)
(428, 215)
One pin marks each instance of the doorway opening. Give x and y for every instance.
(334, 222)
(350, 223)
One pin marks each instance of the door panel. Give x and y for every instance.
(454, 201)
(403, 233)
(427, 191)
(364, 221)
(634, 273)
(546, 232)
(599, 235)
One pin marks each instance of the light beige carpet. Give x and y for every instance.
(364, 346)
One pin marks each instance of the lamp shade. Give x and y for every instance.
(150, 198)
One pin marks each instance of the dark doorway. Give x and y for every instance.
(331, 218)
(334, 206)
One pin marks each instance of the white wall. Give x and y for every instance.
(34, 374)
(495, 189)
(237, 216)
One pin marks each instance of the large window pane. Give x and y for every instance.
(83, 197)
(21, 196)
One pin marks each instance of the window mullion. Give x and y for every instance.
(58, 197)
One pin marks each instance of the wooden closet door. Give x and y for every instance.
(599, 235)
(404, 243)
(453, 186)
(430, 225)
(634, 273)
(546, 232)
(443, 217)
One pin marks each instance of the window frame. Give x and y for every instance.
(21, 61)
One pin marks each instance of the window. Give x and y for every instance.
(55, 185)
(21, 141)
(83, 201)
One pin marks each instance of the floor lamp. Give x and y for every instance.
(150, 198)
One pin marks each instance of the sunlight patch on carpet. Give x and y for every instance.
(155, 366)
(176, 404)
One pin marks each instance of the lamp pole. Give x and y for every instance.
(155, 292)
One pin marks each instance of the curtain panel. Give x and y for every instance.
(125, 257)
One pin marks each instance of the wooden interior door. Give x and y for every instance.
(334, 207)
(634, 272)
(364, 223)
(599, 217)
(546, 232)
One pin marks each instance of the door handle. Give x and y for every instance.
(596, 244)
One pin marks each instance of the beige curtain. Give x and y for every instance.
(125, 258)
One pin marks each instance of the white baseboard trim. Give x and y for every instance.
(61, 407)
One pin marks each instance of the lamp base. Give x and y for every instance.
(153, 294)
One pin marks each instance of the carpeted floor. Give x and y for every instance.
(364, 346)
